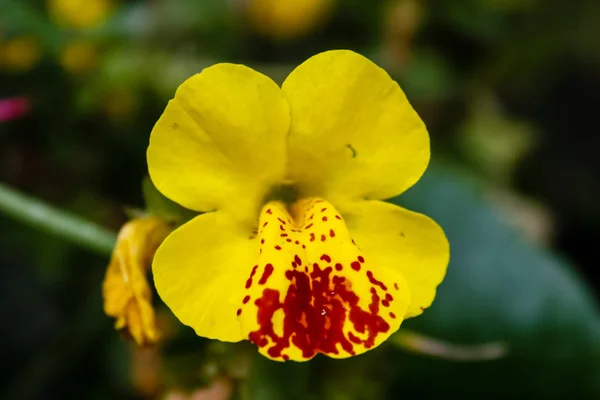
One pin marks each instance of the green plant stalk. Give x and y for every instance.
(46, 218)
(421, 344)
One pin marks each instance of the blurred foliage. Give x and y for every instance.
(508, 89)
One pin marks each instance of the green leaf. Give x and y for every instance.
(160, 206)
(500, 288)
(22, 17)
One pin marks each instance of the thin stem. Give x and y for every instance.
(422, 344)
(60, 223)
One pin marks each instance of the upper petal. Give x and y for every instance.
(353, 132)
(200, 272)
(410, 243)
(220, 142)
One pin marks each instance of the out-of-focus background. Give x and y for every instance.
(510, 92)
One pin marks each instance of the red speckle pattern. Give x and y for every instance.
(374, 281)
(316, 308)
(249, 281)
(304, 303)
(266, 274)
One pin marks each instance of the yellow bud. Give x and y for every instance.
(80, 14)
(402, 20)
(126, 292)
(287, 19)
(20, 54)
(79, 57)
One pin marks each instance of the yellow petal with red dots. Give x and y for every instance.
(312, 290)
(220, 143)
(410, 243)
(200, 271)
(354, 133)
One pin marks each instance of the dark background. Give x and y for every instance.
(510, 92)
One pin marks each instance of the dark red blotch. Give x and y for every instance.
(315, 308)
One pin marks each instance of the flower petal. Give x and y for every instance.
(312, 291)
(353, 132)
(127, 295)
(221, 141)
(200, 272)
(411, 243)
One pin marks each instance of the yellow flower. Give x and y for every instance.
(287, 19)
(295, 250)
(79, 57)
(80, 14)
(20, 54)
(127, 296)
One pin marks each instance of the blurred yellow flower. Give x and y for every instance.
(79, 57)
(80, 14)
(20, 54)
(287, 19)
(127, 296)
(295, 250)
(120, 104)
(402, 20)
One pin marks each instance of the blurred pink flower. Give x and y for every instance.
(13, 108)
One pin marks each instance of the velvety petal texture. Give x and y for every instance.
(331, 270)
(353, 133)
(200, 271)
(409, 243)
(220, 142)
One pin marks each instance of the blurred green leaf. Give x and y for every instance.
(493, 141)
(485, 20)
(160, 206)
(429, 78)
(22, 17)
(500, 288)
(272, 380)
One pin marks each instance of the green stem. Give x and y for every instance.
(49, 219)
(422, 344)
